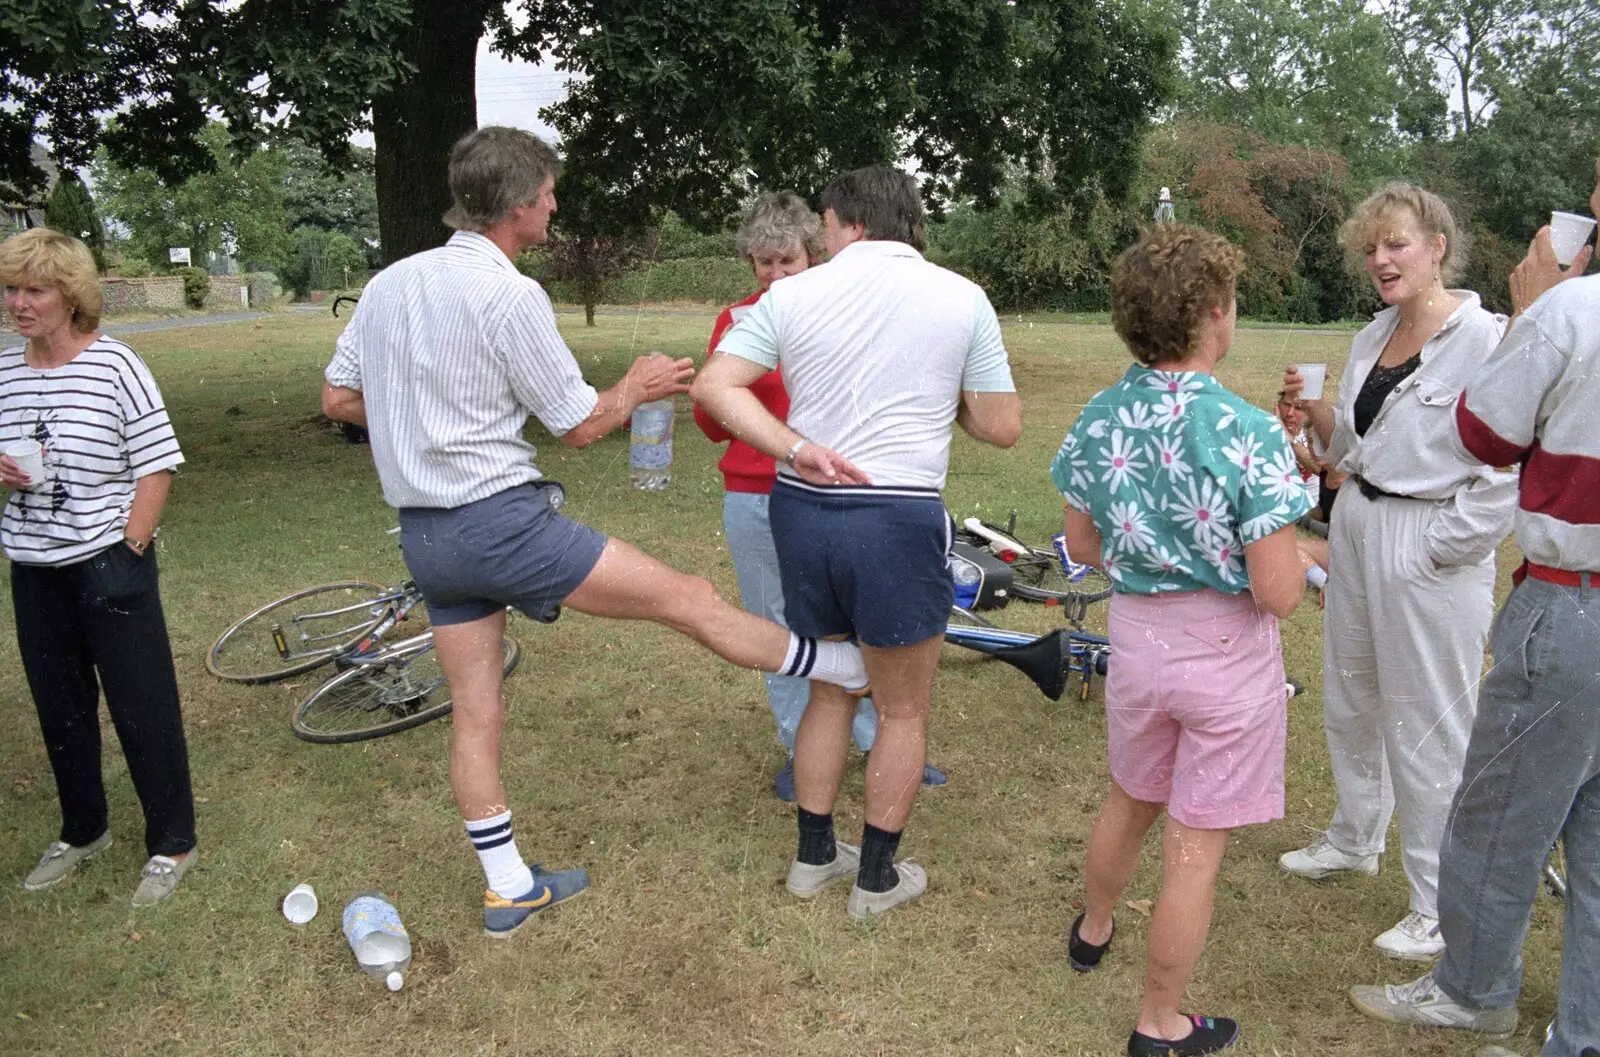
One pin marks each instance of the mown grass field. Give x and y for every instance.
(634, 754)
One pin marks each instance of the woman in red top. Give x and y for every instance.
(780, 237)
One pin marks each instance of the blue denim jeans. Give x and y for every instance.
(749, 532)
(1532, 775)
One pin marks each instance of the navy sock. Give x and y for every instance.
(877, 873)
(816, 839)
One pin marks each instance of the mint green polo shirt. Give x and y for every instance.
(1179, 475)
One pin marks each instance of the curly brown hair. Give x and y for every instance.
(1163, 285)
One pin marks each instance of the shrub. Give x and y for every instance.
(196, 285)
(136, 268)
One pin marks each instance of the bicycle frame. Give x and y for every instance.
(397, 604)
(1049, 660)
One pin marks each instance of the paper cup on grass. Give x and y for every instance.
(1568, 233)
(300, 905)
(29, 455)
(1315, 374)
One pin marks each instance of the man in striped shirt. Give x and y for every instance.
(1533, 765)
(448, 354)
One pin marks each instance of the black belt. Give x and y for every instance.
(1372, 491)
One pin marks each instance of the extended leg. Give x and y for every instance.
(628, 584)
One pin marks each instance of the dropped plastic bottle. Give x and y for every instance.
(650, 445)
(378, 939)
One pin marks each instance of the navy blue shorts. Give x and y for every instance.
(511, 549)
(874, 562)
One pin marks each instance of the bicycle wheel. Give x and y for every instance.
(396, 690)
(1039, 577)
(297, 633)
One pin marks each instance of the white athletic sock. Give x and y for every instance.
(1316, 576)
(831, 662)
(508, 876)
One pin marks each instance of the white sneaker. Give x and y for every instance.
(1422, 1003)
(912, 883)
(807, 881)
(1414, 938)
(1321, 859)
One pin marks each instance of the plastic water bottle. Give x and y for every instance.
(650, 446)
(378, 940)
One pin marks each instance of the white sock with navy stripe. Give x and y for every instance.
(830, 662)
(508, 876)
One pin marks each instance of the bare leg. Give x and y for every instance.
(470, 655)
(628, 584)
(902, 690)
(1114, 847)
(1189, 862)
(821, 745)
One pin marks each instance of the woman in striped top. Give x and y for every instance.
(83, 574)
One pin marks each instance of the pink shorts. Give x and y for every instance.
(1196, 711)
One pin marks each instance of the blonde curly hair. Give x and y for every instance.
(49, 258)
(1163, 285)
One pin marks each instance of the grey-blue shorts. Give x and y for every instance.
(511, 549)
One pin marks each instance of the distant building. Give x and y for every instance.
(23, 211)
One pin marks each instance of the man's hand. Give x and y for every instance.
(344, 405)
(656, 376)
(1539, 271)
(824, 466)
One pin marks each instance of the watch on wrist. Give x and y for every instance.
(794, 449)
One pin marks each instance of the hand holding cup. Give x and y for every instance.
(22, 465)
(1541, 269)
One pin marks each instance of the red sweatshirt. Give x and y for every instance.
(744, 469)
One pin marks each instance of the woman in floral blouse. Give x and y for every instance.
(1187, 496)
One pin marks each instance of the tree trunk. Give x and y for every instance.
(415, 126)
(588, 311)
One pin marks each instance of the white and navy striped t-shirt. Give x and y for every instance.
(103, 426)
(452, 350)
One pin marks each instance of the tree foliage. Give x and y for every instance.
(236, 207)
(686, 105)
(71, 211)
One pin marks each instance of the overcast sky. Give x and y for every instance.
(510, 93)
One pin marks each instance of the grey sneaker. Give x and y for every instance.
(1321, 858)
(160, 877)
(60, 859)
(807, 882)
(913, 882)
(1422, 1003)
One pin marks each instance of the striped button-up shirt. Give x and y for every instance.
(452, 350)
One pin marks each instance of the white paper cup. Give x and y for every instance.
(29, 456)
(1315, 374)
(1568, 233)
(300, 905)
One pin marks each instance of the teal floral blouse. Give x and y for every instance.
(1179, 475)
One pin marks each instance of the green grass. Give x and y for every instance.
(632, 753)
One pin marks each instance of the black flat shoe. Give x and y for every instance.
(1084, 956)
(1210, 1034)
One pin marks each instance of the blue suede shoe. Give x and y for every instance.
(502, 917)
(783, 785)
(932, 776)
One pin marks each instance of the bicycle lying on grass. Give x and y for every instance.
(379, 687)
